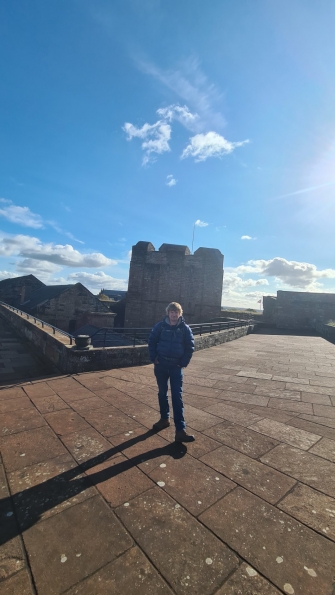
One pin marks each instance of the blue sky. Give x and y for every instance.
(133, 119)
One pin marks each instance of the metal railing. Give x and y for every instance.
(37, 320)
(104, 337)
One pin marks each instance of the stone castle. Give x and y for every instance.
(173, 274)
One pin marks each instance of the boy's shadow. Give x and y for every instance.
(33, 502)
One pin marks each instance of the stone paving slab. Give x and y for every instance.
(86, 444)
(253, 475)
(130, 573)
(71, 545)
(19, 583)
(30, 447)
(312, 427)
(242, 439)
(304, 466)
(293, 557)
(49, 404)
(247, 581)
(11, 393)
(244, 418)
(191, 483)
(78, 453)
(15, 404)
(118, 480)
(325, 448)
(45, 489)
(324, 421)
(311, 508)
(18, 421)
(197, 561)
(280, 431)
(110, 421)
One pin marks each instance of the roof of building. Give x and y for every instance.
(44, 294)
(20, 280)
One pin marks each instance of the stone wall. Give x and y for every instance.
(67, 310)
(69, 360)
(325, 330)
(269, 308)
(173, 274)
(301, 310)
(298, 309)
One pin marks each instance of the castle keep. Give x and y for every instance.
(173, 274)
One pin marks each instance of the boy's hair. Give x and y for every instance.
(174, 306)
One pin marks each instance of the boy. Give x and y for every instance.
(171, 346)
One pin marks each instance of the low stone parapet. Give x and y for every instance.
(71, 360)
(325, 330)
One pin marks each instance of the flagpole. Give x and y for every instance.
(193, 237)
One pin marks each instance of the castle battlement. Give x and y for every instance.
(173, 274)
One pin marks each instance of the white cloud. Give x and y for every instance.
(189, 82)
(304, 190)
(20, 215)
(247, 238)
(29, 247)
(210, 144)
(155, 137)
(234, 290)
(234, 281)
(7, 275)
(295, 274)
(62, 232)
(24, 217)
(97, 281)
(36, 267)
(170, 180)
(199, 223)
(180, 113)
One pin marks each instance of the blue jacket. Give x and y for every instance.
(171, 344)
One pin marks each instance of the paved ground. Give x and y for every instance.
(100, 505)
(18, 359)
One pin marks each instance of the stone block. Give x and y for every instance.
(198, 562)
(294, 558)
(254, 476)
(70, 546)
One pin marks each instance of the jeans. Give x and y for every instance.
(163, 373)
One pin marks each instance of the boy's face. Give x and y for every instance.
(173, 316)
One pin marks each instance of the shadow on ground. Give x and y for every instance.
(32, 503)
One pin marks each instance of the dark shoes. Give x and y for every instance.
(183, 436)
(161, 425)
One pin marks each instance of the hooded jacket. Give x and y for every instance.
(171, 344)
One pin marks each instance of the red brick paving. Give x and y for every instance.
(92, 502)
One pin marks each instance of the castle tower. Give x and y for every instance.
(173, 274)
